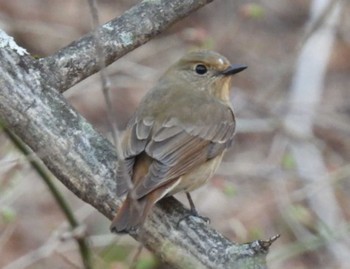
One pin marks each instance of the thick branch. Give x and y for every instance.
(117, 37)
(86, 162)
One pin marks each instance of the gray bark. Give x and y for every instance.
(32, 106)
(119, 36)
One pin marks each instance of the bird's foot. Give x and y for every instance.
(194, 214)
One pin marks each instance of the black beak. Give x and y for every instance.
(233, 69)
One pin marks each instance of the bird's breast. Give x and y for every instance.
(198, 176)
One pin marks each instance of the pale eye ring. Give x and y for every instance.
(201, 69)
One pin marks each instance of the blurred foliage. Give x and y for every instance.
(146, 263)
(288, 161)
(230, 189)
(116, 253)
(253, 11)
(8, 214)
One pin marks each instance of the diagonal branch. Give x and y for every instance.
(119, 36)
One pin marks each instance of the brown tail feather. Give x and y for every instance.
(132, 213)
(130, 216)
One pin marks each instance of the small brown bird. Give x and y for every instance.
(178, 135)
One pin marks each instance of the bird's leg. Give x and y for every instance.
(193, 210)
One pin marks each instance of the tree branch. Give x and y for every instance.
(119, 36)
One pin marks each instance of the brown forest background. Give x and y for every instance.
(254, 195)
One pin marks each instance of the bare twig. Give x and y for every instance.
(105, 82)
(36, 164)
(107, 97)
(136, 257)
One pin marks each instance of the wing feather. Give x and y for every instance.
(177, 150)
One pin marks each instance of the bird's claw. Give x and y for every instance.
(194, 214)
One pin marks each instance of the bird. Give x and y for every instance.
(177, 137)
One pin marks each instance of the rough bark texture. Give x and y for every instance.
(119, 36)
(85, 161)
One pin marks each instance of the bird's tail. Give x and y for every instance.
(131, 215)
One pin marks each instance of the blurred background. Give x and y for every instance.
(288, 172)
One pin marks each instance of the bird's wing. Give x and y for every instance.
(133, 143)
(178, 147)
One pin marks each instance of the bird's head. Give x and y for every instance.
(206, 70)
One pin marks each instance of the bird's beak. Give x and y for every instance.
(233, 69)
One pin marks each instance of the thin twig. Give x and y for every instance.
(103, 76)
(136, 257)
(38, 167)
(106, 93)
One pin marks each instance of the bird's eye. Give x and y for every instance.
(201, 69)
